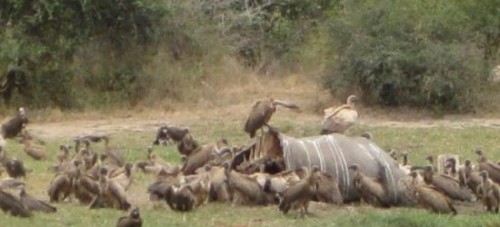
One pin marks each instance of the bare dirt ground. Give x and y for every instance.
(220, 105)
(151, 121)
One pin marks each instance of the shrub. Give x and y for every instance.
(405, 53)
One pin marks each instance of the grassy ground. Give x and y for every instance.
(419, 142)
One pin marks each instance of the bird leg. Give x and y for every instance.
(271, 128)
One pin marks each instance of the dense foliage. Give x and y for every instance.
(429, 53)
(43, 37)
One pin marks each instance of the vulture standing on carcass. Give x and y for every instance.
(261, 113)
(338, 120)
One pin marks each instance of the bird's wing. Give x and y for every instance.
(329, 112)
(286, 104)
(9, 203)
(340, 121)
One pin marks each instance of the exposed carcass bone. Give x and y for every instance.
(333, 154)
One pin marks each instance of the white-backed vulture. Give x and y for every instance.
(339, 119)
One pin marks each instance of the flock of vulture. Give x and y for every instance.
(100, 179)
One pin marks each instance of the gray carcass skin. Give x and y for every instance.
(333, 154)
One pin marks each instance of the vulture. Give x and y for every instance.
(431, 198)
(370, 190)
(469, 177)
(110, 194)
(33, 150)
(123, 176)
(63, 152)
(489, 193)
(298, 195)
(261, 113)
(328, 189)
(34, 204)
(132, 220)
(338, 120)
(115, 156)
(61, 185)
(180, 198)
(14, 126)
(492, 168)
(9, 204)
(448, 185)
(166, 133)
(15, 168)
(244, 188)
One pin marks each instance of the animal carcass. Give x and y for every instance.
(332, 153)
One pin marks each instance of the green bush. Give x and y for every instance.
(43, 37)
(413, 53)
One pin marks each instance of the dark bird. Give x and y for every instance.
(9, 204)
(111, 194)
(35, 151)
(15, 168)
(328, 189)
(246, 190)
(180, 198)
(447, 185)
(367, 135)
(339, 119)
(132, 220)
(14, 126)
(489, 193)
(430, 159)
(492, 168)
(261, 113)
(298, 195)
(115, 156)
(34, 204)
(188, 145)
(61, 185)
(451, 167)
(371, 190)
(469, 177)
(63, 153)
(431, 198)
(166, 133)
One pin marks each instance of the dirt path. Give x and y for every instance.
(232, 104)
(151, 121)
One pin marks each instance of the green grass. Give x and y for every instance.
(419, 142)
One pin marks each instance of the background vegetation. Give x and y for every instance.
(92, 54)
